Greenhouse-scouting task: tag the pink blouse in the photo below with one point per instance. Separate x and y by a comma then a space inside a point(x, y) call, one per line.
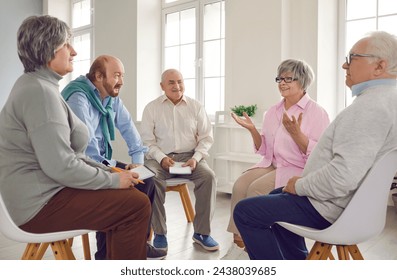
point(278, 147)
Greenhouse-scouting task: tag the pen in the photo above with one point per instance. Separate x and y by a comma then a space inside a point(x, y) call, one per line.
point(116, 169)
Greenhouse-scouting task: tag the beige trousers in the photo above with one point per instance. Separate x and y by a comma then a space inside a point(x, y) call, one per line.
point(254, 182)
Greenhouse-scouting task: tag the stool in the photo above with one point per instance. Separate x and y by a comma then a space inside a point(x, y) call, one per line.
point(180, 185)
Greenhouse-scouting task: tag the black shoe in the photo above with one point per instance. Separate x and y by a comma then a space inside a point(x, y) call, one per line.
point(153, 253)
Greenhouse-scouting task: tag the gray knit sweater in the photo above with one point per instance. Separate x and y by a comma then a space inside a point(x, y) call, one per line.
point(42, 145)
point(358, 136)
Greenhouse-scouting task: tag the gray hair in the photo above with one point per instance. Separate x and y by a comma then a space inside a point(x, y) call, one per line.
point(169, 71)
point(38, 38)
point(383, 45)
point(300, 70)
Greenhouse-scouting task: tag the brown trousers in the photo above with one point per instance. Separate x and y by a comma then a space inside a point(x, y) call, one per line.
point(122, 213)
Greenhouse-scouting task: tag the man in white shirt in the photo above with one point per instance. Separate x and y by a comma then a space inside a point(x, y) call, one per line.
point(176, 128)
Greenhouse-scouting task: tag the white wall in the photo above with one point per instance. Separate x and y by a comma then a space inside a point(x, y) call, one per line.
point(259, 35)
point(12, 13)
point(131, 31)
point(262, 33)
point(148, 53)
point(253, 52)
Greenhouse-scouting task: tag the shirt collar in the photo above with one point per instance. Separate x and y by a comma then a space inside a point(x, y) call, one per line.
point(359, 88)
point(165, 98)
point(301, 103)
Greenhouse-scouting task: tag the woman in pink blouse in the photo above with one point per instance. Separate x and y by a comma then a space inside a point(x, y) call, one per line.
point(290, 130)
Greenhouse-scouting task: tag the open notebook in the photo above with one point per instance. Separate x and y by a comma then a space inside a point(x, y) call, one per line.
point(177, 168)
point(143, 172)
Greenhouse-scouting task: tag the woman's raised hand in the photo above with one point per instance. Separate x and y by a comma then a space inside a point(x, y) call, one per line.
point(245, 122)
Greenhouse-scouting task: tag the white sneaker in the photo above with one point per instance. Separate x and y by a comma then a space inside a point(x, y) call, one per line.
point(235, 253)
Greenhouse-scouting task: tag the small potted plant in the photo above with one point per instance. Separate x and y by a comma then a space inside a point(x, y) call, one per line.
point(250, 110)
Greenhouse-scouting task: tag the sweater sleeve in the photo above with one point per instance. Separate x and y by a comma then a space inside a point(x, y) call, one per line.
point(57, 147)
point(356, 136)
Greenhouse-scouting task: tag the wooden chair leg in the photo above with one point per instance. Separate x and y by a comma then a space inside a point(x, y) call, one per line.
point(183, 191)
point(86, 246)
point(62, 250)
point(34, 251)
point(187, 203)
point(343, 252)
point(150, 234)
point(320, 251)
point(355, 252)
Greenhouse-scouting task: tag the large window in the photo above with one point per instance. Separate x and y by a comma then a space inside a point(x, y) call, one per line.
point(82, 15)
point(363, 16)
point(194, 43)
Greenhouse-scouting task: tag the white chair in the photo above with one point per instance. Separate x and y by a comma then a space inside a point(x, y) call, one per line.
point(180, 185)
point(363, 218)
point(38, 243)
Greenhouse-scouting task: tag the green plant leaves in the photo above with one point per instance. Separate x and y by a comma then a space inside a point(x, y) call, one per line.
point(250, 110)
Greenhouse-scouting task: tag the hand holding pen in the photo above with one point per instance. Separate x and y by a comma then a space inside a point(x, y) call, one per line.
point(127, 175)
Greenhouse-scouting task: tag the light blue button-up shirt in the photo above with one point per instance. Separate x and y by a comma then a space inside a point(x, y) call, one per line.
point(82, 107)
point(359, 88)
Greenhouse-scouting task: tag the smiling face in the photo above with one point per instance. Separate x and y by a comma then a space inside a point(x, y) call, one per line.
point(62, 63)
point(292, 90)
point(110, 83)
point(173, 86)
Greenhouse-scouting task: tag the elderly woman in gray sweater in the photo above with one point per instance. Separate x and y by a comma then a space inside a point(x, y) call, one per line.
point(46, 181)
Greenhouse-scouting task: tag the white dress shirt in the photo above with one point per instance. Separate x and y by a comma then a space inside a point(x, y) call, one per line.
point(168, 128)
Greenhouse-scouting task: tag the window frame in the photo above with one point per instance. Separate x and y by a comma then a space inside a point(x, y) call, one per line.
point(198, 5)
point(85, 29)
point(343, 48)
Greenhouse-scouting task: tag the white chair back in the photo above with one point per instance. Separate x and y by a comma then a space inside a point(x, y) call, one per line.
point(365, 215)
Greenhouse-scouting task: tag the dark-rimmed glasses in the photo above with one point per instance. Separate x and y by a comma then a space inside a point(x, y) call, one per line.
point(349, 57)
point(285, 79)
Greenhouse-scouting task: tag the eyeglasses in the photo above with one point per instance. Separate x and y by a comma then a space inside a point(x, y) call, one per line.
point(349, 57)
point(285, 79)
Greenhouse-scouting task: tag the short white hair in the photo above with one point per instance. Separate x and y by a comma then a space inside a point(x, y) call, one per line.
point(383, 45)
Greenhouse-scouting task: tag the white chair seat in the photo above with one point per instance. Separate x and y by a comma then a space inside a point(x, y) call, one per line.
point(10, 230)
point(176, 181)
point(363, 218)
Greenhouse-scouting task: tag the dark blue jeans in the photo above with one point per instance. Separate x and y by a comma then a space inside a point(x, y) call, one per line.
point(255, 218)
point(148, 189)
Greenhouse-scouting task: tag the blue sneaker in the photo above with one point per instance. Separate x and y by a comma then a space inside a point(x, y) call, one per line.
point(206, 241)
point(160, 242)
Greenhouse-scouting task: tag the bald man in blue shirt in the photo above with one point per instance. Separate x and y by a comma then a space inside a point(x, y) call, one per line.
point(94, 98)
